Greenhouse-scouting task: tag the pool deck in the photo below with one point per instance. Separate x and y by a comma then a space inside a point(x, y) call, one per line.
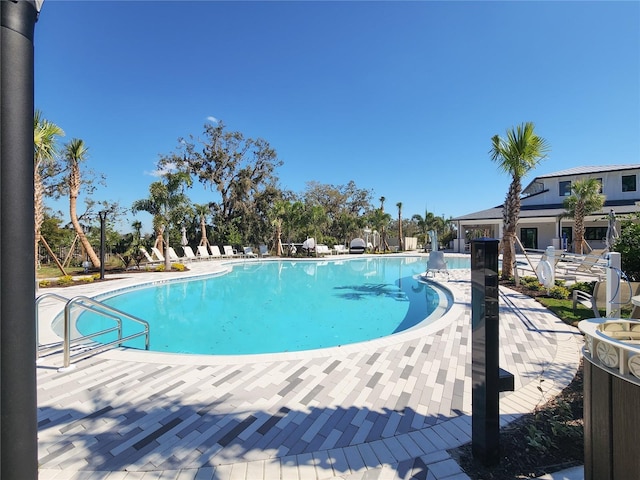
point(381, 410)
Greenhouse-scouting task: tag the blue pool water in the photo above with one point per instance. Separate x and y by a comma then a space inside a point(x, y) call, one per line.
point(280, 306)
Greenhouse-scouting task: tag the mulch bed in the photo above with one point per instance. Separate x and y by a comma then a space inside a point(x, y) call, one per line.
point(547, 440)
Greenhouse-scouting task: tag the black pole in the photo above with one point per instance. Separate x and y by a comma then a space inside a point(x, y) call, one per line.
point(18, 417)
point(103, 217)
point(485, 419)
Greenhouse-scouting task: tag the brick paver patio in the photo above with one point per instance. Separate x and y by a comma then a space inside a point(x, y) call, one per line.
point(387, 409)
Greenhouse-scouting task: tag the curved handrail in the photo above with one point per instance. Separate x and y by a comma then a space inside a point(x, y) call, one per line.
point(99, 308)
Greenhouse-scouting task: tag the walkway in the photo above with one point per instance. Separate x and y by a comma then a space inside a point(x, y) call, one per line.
point(388, 409)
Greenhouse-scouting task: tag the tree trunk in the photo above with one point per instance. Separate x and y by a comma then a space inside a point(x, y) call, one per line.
point(39, 209)
point(579, 227)
point(73, 200)
point(203, 229)
point(278, 240)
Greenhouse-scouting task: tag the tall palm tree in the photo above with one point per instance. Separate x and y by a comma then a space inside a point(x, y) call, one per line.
point(75, 152)
point(45, 134)
point(516, 155)
point(400, 240)
point(168, 203)
point(277, 215)
point(202, 210)
point(379, 221)
point(585, 198)
point(383, 232)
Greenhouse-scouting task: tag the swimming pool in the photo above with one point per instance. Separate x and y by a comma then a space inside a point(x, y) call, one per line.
point(280, 306)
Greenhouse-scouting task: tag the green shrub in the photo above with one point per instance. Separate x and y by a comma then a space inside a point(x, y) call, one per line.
point(89, 279)
point(628, 245)
point(586, 287)
point(559, 292)
point(65, 280)
point(44, 283)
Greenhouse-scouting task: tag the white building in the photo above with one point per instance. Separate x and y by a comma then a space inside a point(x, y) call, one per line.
point(542, 215)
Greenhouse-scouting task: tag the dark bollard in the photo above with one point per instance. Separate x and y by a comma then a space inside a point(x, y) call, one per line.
point(488, 379)
point(18, 406)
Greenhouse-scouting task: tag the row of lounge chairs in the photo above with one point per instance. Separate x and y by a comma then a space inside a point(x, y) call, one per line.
point(203, 253)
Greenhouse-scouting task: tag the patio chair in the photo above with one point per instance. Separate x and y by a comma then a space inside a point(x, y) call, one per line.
point(148, 257)
point(322, 250)
point(215, 251)
point(203, 253)
point(188, 253)
point(340, 249)
point(173, 256)
point(589, 265)
point(436, 264)
point(357, 245)
point(157, 253)
point(248, 252)
point(229, 251)
point(264, 250)
point(598, 300)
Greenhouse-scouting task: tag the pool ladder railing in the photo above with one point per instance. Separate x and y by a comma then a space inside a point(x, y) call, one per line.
point(86, 350)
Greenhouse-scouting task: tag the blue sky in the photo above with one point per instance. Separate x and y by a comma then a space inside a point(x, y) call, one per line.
point(400, 97)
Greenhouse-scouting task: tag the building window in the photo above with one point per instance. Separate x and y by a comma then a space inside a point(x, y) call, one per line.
point(565, 188)
point(599, 180)
point(529, 237)
point(595, 233)
point(567, 237)
point(628, 183)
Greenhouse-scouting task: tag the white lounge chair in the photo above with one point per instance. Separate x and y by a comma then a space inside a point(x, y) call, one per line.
point(173, 256)
point(357, 245)
point(148, 257)
point(340, 249)
point(229, 251)
point(592, 264)
point(248, 252)
point(264, 250)
point(322, 250)
point(436, 264)
point(203, 253)
point(188, 253)
point(215, 251)
point(157, 253)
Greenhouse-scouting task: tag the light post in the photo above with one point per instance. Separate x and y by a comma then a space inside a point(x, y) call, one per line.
point(18, 405)
point(103, 218)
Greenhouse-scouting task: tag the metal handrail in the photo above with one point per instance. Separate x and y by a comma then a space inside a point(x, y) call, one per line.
point(96, 307)
point(55, 296)
point(99, 305)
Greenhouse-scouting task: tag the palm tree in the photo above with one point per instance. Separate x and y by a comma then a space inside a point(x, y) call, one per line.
point(400, 242)
point(76, 152)
point(45, 152)
point(202, 210)
point(516, 155)
point(379, 221)
point(168, 204)
point(383, 232)
point(585, 198)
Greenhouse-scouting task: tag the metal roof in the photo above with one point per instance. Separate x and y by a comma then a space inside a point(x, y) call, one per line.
point(589, 170)
point(542, 211)
point(576, 171)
